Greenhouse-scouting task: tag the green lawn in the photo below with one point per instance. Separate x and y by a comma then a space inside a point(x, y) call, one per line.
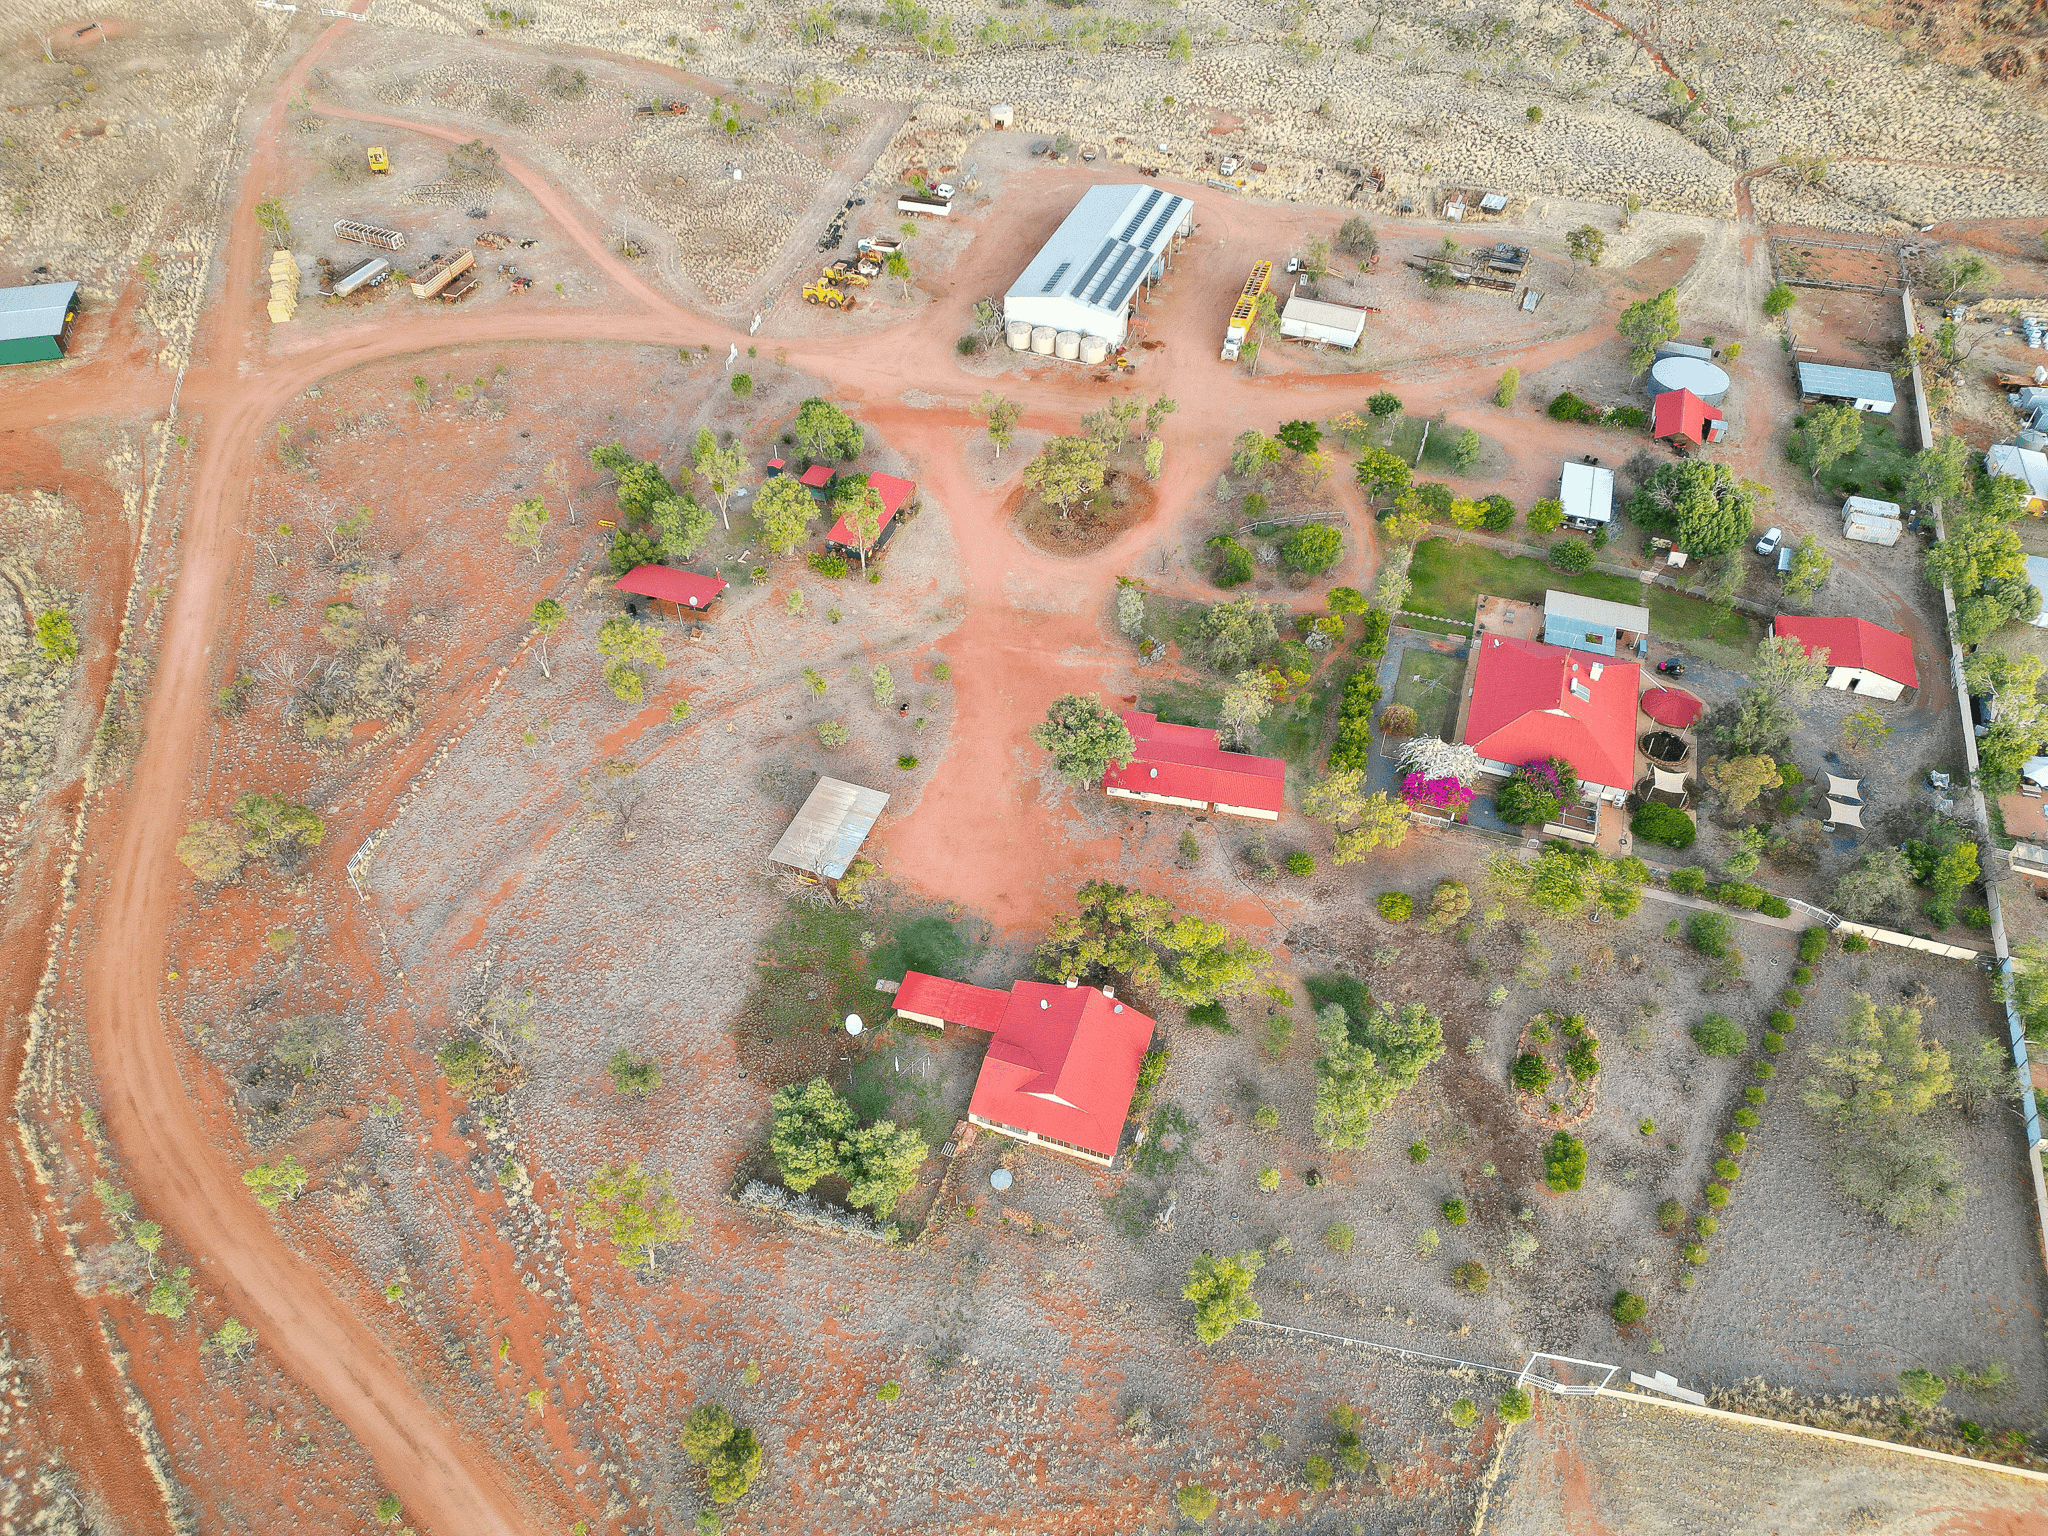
point(1449, 574)
point(1878, 468)
point(1428, 683)
point(1293, 732)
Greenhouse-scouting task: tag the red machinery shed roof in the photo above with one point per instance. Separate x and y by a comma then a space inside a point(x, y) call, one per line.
point(1064, 1063)
point(1189, 763)
point(671, 586)
point(1681, 413)
point(893, 491)
point(957, 1002)
point(1854, 643)
point(1524, 708)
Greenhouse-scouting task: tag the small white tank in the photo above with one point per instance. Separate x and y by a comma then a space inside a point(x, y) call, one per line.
point(1042, 339)
point(1093, 349)
point(1068, 345)
point(1018, 333)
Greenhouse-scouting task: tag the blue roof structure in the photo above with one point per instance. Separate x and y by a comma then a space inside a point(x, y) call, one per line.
point(1836, 383)
point(37, 310)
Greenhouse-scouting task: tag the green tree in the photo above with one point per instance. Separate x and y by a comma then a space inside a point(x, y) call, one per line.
point(1312, 548)
point(276, 828)
point(547, 618)
point(681, 524)
point(1739, 780)
point(172, 1295)
point(1647, 323)
point(1878, 889)
point(1366, 1063)
point(1983, 561)
point(1246, 702)
point(1465, 449)
point(1509, 386)
point(631, 1209)
point(1788, 669)
point(1810, 570)
point(1779, 299)
point(1304, 437)
point(1828, 434)
point(1355, 237)
point(1873, 1088)
point(54, 635)
point(1959, 268)
point(232, 1340)
point(810, 1121)
point(640, 484)
point(1382, 472)
point(1067, 470)
point(1586, 245)
point(275, 1183)
point(1084, 738)
point(1382, 404)
point(824, 433)
point(1865, 729)
point(880, 1163)
point(785, 512)
point(1252, 453)
point(525, 523)
point(742, 383)
point(630, 646)
point(1700, 504)
point(270, 213)
point(727, 1450)
point(1235, 633)
point(1940, 473)
point(1003, 415)
point(1221, 1291)
point(722, 468)
point(1118, 933)
point(863, 513)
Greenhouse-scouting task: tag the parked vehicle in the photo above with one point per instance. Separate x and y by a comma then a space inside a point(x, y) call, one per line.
point(1768, 544)
point(1675, 667)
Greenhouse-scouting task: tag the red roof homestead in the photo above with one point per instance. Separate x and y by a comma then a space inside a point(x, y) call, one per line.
point(1533, 701)
point(894, 493)
point(935, 1000)
point(1855, 643)
point(684, 588)
point(1186, 765)
point(1061, 1068)
point(1681, 413)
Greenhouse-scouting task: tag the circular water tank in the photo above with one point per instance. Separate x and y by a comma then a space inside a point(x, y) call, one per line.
point(1093, 349)
point(1041, 339)
point(1000, 1179)
point(1018, 333)
point(1696, 374)
point(1068, 345)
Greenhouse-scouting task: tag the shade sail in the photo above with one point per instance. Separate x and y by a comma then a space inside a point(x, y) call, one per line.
point(1673, 707)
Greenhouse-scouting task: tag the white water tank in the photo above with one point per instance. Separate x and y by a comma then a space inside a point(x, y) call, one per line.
point(1018, 333)
point(1041, 339)
point(1093, 349)
point(1068, 345)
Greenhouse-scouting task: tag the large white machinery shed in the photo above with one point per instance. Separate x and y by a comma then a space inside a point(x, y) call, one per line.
point(1085, 277)
point(1313, 320)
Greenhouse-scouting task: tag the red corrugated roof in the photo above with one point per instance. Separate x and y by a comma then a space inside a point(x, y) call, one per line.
point(671, 586)
point(1681, 413)
point(1064, 1063)
point(1523, 708)
point(1854, 643)
point(817, 474)
point(957, 1002)
point(894, 493)
point(1189, 763)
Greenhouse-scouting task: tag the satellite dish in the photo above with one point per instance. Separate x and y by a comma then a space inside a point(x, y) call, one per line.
point(853, 1024)
point(1000, 1179)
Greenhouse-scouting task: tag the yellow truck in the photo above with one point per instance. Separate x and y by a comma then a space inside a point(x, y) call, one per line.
point(380, 163)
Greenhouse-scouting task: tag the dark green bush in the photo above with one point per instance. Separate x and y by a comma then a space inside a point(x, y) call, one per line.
point(1628, 1308)
point(1711, 933)
point(1372, 639)
point(1666, 824)
point(1571, 556)
point(1719, 1035)
point(1793, 998)
point(1532, 1073)
point(1628, 416)
point(1690, 880)
point(1813, 943)
point(1737, 894)
point(1774, 906)
point(826, 564)
point(1566, 406)
point(1564, 1163)
point(1353, 748)
point(1234, 563)
point(1312, 548)
point(1500, 513)
point(1801, 975)
point(1781, 1021)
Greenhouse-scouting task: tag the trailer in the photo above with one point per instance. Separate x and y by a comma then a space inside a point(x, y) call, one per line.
point(934, 207)
point(430, 286)
point(1247, 307)
point(368, 275)
point(355, 232)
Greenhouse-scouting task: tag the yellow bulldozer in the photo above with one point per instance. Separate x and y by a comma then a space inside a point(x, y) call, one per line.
point(846, 272)
point(824, 292)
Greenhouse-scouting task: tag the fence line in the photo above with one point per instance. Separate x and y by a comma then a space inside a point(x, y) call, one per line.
point(1513, 1373)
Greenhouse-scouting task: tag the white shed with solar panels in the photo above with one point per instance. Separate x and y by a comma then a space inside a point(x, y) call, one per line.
point(1086, 277)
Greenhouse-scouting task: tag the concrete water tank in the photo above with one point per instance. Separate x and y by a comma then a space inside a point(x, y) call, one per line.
point(1019, 335)
point(1042, 339)
point(1703, 378)
point(1068, 345)
point(1093, 349)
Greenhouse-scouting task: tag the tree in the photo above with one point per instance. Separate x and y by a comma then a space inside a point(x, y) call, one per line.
point(1363, 822)
point(785, 511)
point(232, 1340)
point(1872, 1090)
point(276, 828)
point(1546, 516)
point(742, 383)
point(1961, 268)
point(721, 468)
point(1116, 932)
point(1700, 504)
point(1788, 669)
point(1758, 723)
point(1252, 453)
point(1265, 318)
point(1878, 889)
point(640, 484)
point(547, 618)
point(1370, 1056)
point(1084, 738)
point(1355, 237)
point(1302, 436)
point(1864, 729)
point(212, 850)
point(1828, 433)
point(809, 1123)
point(1003, 415)
point(1221, 1292)
point(824, 433)
point(1982, 560)
point(1246, 702)
point(629, 645)
point(1465, 449)
point(2020, 722)
point(727, 1450)
point(1382, 472)
point(1940, 473)
point(863, 514)
point(880, 1163)
point(1564, 1163)
point(1586, 245)
point(1779, 299)
point(270, 213)
point(1739, 780)
point(54, 634)
point(1066, 470)
point(635, 1211)
point(1810, 570)
point(1647, 323)
point(1510, 383)
point(524, 523)
point(1312, 548)
point(898, 266)
point(682, 526)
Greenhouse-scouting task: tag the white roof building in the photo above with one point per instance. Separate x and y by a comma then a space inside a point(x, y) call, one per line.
point(1086, 276)
point(1314, 320)
point(2023, 464)
point(1587, 492)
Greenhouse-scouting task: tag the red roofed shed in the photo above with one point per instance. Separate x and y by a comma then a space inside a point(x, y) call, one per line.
point(936, 1001)
point(1185, 765)
point(894, 493)
point(1681, 413)
point(1061, 1070)
point(1533, 701)
point(817, 477)
point(685, 589)
point(1861, 656)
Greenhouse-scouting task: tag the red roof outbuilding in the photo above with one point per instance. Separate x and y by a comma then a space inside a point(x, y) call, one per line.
point(818, 476)
point(950, 1002)
point(671, 586)
point(1185, 762)
point(1063, 1065)
point(1681, 413)
point(1854, 643)
point(1532, 701)
point(893, 491)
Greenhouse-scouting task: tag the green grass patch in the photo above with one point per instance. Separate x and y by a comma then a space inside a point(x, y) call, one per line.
point(1437, 626)
point(1878, 468)
point(1293, 732)
point(929, 944)
point(1170, 1123)
point(1437, 456)
point(1428, 684)
point(1450, 573)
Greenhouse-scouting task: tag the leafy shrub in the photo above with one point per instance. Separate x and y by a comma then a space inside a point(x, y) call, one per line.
point(1628, 416)
point(1735, 1143)
point(1773, 1041)
point(828, 564)
point(1668, 825)
point(1522, 803)
point(1717, 1195)
point(1234, 564)
point(1339, 1238)
point(1514, 1406)
point(1792, 997)
point(1628, 1308)
point(1564, 1163)
point(1531, 1073)
point(1781, 1022)
point(1317, 1473)
point(1498, 513)
point(1571, 556)
point(1746, 1118)
point(1755, 1095)
point(1464, 1413)
point(1923, 1387)
point(1372, 639)
point(1854, 943)
point(1312, 548)
point(1690, 880)
point(1774, 906)
point(1353, 747)
point(1711, 933)
point(1813, 943)
point(1707, 1226)
point(1455, 1212)
point(1976, 917)
point(1581, 1057)
point(1766, 1071)
point(1670, 1215)
point(1471, 1277)
point(1418, 1152)
point(1695, 1253)
point(1301, 865)
point(1737, 894)
point(1546, 515)
point(725, 1449)
point(1727, 1168)
point(1396, 906)
point(1719, 1035)
point(1566, 406)
point(1196, 1502)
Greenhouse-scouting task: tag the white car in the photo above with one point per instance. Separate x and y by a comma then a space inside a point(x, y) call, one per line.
point(1769, 543)
point(945, 191)
point(1293, 264)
